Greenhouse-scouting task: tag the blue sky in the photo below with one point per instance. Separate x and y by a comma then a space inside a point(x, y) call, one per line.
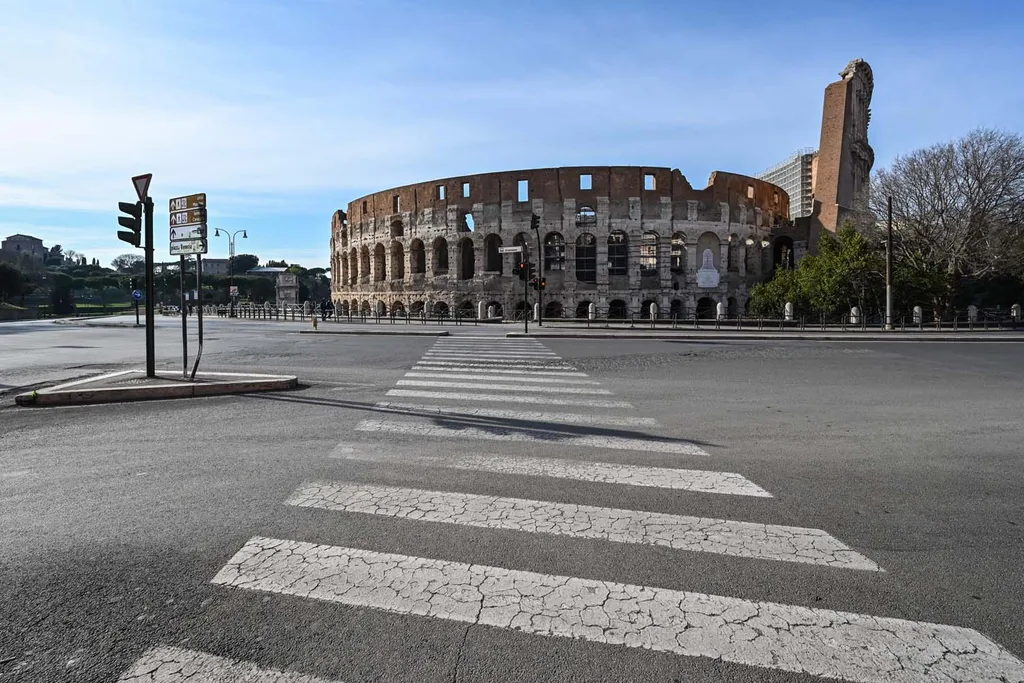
point(284, 111)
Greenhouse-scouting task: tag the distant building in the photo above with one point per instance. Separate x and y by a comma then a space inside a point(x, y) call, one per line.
point(16, 246)
point(795, 175)
point(211, 266)
point(266, 271)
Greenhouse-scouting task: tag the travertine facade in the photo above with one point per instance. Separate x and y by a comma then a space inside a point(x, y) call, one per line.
point(619, 237)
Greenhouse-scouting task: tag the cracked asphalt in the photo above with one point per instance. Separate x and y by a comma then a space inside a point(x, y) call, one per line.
point(125, 527)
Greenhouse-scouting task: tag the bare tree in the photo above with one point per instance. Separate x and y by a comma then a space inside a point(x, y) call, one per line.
point(126, 263)
point(958, 208)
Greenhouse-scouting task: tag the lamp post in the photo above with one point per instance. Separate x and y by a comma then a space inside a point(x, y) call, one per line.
point(535, 224)
point(231, 258)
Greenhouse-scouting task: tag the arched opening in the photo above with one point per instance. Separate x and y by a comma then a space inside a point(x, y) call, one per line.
point(466, 257)
point(416, 308)
point(441, 309)
point(439, 262)
point(649, 254)
point(552, 310)
point(617, 310)
point(677, 256)
point(732, 308)
point(364, 263)
point(380, 268)
point(709, 243)
point(494, 308)
point(645, 308)
point(586, 258)
point(417, 257)
point(782, 253)
point(344, 239)
point(554, 252)
point(583, 309)
point(746, 307)
point(353, 266)
point(618, 253)
point(586, 217)
point(466, 309)
point(381, 307)
point(466, 223)
point(492, 257)
point(353, 307)
point(736, 253)
point(397, 261)
point(675, 309)
point(366, 309)
point(706, 308)
point(398, 309)
point(397, 229)
point(520, 311)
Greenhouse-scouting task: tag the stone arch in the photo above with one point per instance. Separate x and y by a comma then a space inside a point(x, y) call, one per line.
point(677, 255)
point(618, 253)
point(344, 239)
point(709, 241)
point(397, 261)
point(675, 309)
point(353, 306)
point(397, 228)
point(416, 308)
point(398, 309)
point(380, 269)
point(467, 256)
point(782, 253)
point(736, 253)
point(583, 309)
point(441, 309)
point(586, 217)
point(732, 308)
point(366, 308)
point(439, 256)
point(586, 258)
point(617, 309)
point(645, 308)
point(707, 309)
point(493, 262)
point(466, 309)
point(353, 266)
point(554, 252)
point(553, 309)
point(649, 254)
point(499, 310)
point(380, 307)
point(364, 262)
point(417, 257)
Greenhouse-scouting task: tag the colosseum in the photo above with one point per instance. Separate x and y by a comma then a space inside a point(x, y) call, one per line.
point(620, 237)
point(610, 241)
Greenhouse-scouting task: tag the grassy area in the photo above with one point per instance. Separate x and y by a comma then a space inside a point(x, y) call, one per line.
point(92, 308)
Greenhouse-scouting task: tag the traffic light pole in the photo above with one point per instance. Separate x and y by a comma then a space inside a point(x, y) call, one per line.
point(526, 290)
point(150, 292)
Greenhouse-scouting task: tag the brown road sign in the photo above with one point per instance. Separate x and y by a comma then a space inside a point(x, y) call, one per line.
point(189, 217)
point(191, 201)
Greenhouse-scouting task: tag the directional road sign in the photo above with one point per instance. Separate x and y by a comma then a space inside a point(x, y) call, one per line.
point(136, 294)
point(192, 232)
point(510, 250)
point(192, 201)
point(188, 247)
point(189, 217)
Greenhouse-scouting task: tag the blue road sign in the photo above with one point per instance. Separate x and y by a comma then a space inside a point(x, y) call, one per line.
point(136, 294)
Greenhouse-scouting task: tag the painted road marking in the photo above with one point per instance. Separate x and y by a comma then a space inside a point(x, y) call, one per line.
point(497, 387)
point(168, 664)
point(477, 363)
point(820, 642)
point(697, 481)
point(492, 352)
point(491, 432)
point(455, 355)
point(527, 415)
point(679, 532)
point(455, 375)
point(506, 398)
point(487, 370)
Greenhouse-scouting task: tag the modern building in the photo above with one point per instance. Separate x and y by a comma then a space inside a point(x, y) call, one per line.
point(795, 175)
point(18, 246)
point(211, 266)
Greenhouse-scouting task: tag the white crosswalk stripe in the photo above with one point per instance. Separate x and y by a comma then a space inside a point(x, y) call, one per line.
point(492, 432)
point(506, 398)
point(498, 387)
point(492, 370)
point(694, 534)
point(523, 415)
point(166, 664)
point(821, 642)
point(498, 378)
point(476, 363)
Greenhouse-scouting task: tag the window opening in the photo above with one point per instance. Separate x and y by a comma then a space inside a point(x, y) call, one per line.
point(465, 189)
point(618, 259)
point(440, 191)
point(586, 258)
point(586, 181)
point(648, 182)
point(524, 190)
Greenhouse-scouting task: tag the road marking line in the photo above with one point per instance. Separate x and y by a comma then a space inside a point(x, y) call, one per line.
point(487, 370)
point(696, 481)
point(485, 377)
point(454, 355)
point(536, 416)
point(820, 642)
point(482, 363)
point(492, 352)
point(507, 398)
point(497, 387)
point(679, 532)
point(166, 664)
point(467, 430)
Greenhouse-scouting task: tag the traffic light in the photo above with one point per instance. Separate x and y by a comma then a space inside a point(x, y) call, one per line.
point(534, 222)
point(133, 221)
point(534, 283)
point(543, 283)
point(520, 270)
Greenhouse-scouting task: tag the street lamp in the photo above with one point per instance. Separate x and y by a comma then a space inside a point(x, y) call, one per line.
point(231, 258)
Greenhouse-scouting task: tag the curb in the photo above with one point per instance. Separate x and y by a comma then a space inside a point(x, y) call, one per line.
point(77, 393)
point(845, 337)
point(381, 333)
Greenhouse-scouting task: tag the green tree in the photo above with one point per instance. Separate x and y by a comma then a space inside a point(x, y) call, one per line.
point(277, 264)
point(243, 263)
point(12, 282)
point(127, 263)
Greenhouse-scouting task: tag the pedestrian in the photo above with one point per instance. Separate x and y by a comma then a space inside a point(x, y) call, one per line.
point(323, 309)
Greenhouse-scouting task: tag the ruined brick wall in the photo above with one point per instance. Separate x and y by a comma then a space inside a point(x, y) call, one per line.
point(435, 243)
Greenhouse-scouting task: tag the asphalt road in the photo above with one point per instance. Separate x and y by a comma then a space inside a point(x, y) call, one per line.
point(123, 524)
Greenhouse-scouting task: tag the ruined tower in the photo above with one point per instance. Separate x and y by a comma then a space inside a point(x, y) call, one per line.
point(842, 168)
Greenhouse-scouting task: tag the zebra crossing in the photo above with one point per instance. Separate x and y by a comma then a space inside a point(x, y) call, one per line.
point(487, 371)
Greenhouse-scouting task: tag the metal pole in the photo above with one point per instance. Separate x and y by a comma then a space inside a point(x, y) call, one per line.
point(888, 270)
point(199, 312)
point(540, 273)
point(184, 321)
point(526, 290)
point(150, 293)
point(231, 272)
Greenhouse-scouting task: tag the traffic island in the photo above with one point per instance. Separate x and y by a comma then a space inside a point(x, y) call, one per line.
point(133, 385)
